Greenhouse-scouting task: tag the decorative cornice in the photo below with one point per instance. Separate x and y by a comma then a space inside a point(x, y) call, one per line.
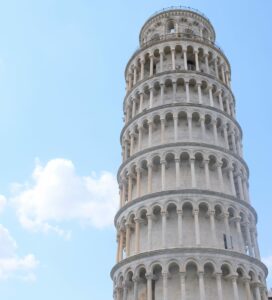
point(182, 144)
point(219, 51)
point(179, 192)
point(178, 72)
point(230, 253)
point(173, 105)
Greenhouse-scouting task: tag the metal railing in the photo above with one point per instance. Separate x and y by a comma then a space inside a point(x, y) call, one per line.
point(179, 7)
point(178, 35)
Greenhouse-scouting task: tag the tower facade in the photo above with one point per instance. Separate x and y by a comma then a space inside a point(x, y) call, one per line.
point(185, 228)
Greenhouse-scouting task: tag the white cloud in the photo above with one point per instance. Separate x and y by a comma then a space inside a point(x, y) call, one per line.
point(3, 202)
point(10, 264)
point(57, 194)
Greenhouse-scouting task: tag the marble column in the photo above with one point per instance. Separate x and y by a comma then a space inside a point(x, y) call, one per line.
point(165, 286)
point(183, 285)
point(199, 92)
point(151, 65)
point(180, 231)
point(207, 173)
point(163, 162)
point(197, 235)
point(175, 119)
point(151, 97)
point(207, 63)
point(211, 95)
point(187, 90)
point(203, 129)
point(149, 180)
point(127, 240)
point(173, 59)
point(162, 130)
point(163, 215)
point(212, 213)
point(196, 60)
point(161, 61)
point(227, 228)
point(150, 127)
point(149, 232)
point(138, 181)
point(177, 165)
point(193, 177)
point(201, 285)
point(137, 235)
point(235, 288)
point(142, 69)
point(185, 60)
point(219, 286)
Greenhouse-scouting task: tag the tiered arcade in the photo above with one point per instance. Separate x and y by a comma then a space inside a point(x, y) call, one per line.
point(185, 227)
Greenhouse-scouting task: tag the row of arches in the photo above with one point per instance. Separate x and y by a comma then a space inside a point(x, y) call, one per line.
point(182, 169)
point(177, 57)
point(186, 224)
point(178, 88)
point(173, 125)
point(209, 279)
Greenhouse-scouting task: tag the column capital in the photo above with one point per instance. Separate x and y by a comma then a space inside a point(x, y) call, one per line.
point(196, 212)
point(233, 277)
point(136, 278)
point(139, 169)
point(149, 276)
point(200, 273)
point(180, 212)
point(226, 215)
point(211, 212)
point(149, 165)
point(164, 213)
point(218, 274)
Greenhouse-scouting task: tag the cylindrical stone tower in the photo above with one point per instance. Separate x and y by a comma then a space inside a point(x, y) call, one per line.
point(185, 227)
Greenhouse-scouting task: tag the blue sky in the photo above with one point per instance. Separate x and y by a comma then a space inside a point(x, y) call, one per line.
point(61, 90)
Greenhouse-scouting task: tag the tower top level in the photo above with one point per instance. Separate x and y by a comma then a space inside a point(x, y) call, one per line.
point(176, 20)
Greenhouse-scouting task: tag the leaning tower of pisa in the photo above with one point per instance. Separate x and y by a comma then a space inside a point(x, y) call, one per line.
point(185, 228)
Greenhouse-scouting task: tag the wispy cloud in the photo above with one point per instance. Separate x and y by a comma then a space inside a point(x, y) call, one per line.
point(57, 194)
point(11, 265)
point(3, 202)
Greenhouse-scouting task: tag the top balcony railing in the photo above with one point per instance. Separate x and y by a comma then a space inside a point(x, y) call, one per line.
point(178, 35)
point(179, 7)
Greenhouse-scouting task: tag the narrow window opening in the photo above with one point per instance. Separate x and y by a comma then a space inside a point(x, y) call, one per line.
point(225, 241)
point(171, 27)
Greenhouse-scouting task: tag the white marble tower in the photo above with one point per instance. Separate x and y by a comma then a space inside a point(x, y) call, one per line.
point(185, 228)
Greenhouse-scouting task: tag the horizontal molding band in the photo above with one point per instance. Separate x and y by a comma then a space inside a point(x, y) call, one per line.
point(174, 39)
point(181, 144)
point(177, 72)
point(203, 251)
point(173, 105)
point(181, 192)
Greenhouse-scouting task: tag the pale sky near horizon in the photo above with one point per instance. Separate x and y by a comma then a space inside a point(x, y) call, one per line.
point(61, 91)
